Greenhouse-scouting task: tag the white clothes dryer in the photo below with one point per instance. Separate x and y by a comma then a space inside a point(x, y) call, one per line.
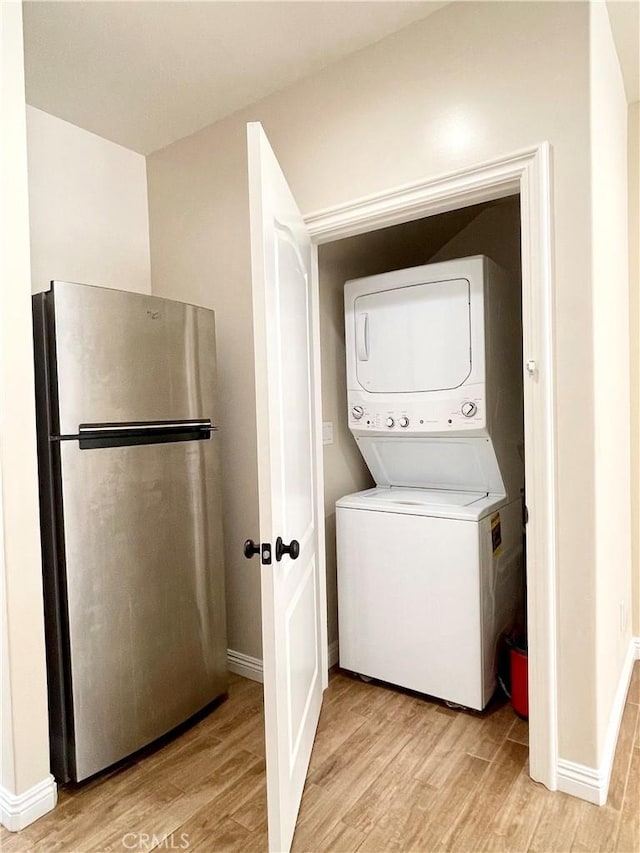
point(428, 582)
point(434, 376)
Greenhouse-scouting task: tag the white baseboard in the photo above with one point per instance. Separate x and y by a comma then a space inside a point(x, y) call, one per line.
point(244, 665)
point(251, 668)
point(592, 783)
point(581, 781)
point(18, 811)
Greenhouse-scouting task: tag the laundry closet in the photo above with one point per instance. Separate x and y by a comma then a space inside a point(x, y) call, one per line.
point(424, 475)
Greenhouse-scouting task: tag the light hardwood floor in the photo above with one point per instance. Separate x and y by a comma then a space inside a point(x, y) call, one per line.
point(389, 772)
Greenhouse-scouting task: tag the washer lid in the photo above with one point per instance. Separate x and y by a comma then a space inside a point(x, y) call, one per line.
point(438, 503)
point(455, 464)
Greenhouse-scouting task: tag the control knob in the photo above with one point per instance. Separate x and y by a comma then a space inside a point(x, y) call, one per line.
point(404, 422)
point(468, 409)
point(390, 422)
point(357, 412)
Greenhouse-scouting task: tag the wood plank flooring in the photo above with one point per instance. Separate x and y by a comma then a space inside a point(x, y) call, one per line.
point(390, 771)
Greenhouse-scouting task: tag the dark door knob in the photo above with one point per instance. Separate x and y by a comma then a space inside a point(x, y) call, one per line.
point(250, 548)
point(292, 549)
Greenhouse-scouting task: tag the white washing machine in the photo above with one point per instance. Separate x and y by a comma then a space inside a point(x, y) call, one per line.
point(430, 561)
point(428, 581)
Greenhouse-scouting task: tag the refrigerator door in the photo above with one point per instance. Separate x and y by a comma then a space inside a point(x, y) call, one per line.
point(123, 357)
point(145, 586)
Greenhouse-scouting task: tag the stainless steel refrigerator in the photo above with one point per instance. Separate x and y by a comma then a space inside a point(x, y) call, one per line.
point(131, 519)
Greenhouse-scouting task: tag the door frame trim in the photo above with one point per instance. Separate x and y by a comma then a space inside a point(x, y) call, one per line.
point(529, 173)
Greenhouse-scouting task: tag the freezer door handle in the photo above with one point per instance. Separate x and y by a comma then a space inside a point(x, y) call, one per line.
point(93, 436)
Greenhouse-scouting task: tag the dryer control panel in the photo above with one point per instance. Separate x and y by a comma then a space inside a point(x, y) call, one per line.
point(451, 413)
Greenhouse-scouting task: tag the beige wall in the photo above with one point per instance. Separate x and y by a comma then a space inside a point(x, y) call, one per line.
point(25, 744)
point(344, 468)
point(88, 208)
point(200, 253)
point(495, 232)
point(610, 295)
point(470, 83)
point(634, 331)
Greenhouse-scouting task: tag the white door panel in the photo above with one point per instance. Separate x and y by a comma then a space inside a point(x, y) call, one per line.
point(301, 643)
point(287, 387)
point(293, 368)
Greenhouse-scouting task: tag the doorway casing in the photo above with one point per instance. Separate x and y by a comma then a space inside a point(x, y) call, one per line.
point(527, 173)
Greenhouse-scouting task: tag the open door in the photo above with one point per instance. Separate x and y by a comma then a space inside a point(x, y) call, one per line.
point(291, 549)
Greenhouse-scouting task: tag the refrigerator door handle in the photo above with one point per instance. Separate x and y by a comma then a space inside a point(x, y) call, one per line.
point(94, 436)
point(144, 426)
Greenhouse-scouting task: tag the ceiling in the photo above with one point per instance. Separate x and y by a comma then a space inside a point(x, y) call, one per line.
point(144, 74)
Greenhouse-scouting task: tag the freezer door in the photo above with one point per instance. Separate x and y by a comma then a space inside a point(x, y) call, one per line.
point(145, 592)
point(122, 357)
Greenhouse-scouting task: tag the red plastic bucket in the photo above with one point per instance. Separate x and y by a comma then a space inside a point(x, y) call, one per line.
point(519, 682)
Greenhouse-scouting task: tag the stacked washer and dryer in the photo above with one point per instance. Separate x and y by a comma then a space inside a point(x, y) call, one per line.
point(430, 561)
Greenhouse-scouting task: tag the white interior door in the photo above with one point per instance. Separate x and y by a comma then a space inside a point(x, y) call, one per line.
point(294, 634)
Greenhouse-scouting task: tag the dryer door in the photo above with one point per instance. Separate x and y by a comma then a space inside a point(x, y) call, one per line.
point(415, 338)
